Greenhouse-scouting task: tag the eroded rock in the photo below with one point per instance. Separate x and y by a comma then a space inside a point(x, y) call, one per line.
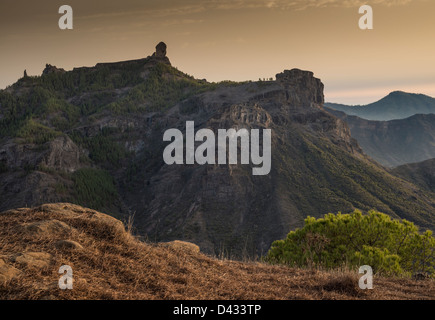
point(7, 272)
point(181, 245)
point(47, 227)
point(68, 244)
point(32, 259)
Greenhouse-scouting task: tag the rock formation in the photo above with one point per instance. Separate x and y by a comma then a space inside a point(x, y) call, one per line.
point(302, 87)
point(52, 69)
point(160, 53)
point(161, 50)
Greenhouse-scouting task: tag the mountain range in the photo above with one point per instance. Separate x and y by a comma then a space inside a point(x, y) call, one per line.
point(93, 136)
point(395, 142)
point(397, 105)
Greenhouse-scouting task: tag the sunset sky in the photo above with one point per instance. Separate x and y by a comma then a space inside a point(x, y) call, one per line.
point(234, 40)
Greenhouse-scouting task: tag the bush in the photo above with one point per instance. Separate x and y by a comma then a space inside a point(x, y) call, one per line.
point(390, 247)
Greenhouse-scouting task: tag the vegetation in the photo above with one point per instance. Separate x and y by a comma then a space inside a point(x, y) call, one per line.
point(36, 133)
point(94, 188)
point(163, 87)
point(390, 247)
point(103, 148)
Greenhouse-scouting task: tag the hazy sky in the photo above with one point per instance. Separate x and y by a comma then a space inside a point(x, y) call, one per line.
point(233, 40)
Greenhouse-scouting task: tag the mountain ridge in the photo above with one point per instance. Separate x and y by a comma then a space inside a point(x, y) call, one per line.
point(395, 142)
point(93, 137)
point(394, 106)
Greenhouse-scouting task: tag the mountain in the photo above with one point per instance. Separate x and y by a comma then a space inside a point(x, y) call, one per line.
point(94, 136)
point(108, 263)
point(397, 105)
point(422, 173)
point(396, 142)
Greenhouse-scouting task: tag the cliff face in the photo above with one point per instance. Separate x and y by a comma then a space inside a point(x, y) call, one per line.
point(395, 142)
point(100, 145)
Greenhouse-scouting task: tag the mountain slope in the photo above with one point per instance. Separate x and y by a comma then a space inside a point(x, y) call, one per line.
point(396, 142)
point(93, 136)
point(108, 263)
point(422, 173)
point(397, 105)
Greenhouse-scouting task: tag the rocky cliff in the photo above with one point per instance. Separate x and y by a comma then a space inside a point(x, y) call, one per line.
point(395, 142)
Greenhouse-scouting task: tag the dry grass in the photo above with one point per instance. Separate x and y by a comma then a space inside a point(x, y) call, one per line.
point(115, 265)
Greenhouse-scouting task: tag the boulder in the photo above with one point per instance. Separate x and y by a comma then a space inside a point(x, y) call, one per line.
point(68, 244)
point(7, 272)
point(47, 227)
point(181, 245)
point(32, 259)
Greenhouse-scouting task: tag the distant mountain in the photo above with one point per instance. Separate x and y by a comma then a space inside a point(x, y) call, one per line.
point(421, 173)
point(94, 137)
point(397, 105)
point(396, 142)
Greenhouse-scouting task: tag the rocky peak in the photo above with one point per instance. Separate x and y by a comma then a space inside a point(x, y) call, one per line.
point(302, 88)
point(161, 50)
point(52, 69)
point(160, 53)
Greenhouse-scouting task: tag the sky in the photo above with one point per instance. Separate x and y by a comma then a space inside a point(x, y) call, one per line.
point(233, 40)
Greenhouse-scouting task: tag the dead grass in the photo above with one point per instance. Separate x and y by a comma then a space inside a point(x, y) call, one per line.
point(115, 265)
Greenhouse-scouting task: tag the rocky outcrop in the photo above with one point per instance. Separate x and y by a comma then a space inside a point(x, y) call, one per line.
point(52, 69)
point(32, 259)
point(161, 50)
point(160, 54)
point(59, 154)
point(46, 227)
point(301, 87)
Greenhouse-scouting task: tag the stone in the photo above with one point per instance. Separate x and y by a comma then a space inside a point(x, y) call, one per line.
point(32, 259)
point(68, 244)
point(47, 227)
point(7, 272)
point(181, 245)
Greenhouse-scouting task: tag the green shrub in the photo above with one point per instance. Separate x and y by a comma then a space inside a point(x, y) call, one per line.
point(390, 247)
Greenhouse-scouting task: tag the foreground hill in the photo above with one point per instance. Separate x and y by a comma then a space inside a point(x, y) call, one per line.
point(397, 105)
point(109, 263)
point(94, 137)
point(396, 142)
